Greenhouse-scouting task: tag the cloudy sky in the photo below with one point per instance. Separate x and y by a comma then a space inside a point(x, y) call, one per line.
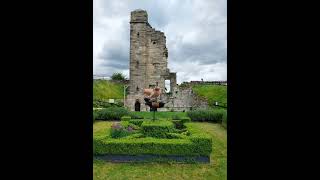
point(196, 32)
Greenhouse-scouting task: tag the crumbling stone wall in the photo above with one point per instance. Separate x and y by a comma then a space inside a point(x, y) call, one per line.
point(149, 66)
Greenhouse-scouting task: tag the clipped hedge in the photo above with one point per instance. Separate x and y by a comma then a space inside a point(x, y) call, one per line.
point(197, 144)
point(125, 118)
point(111, 113)
point(179, 124)
point(152, 146)
point(135, 116)
point(157, 129)
point(123, 129)
point(207, 115)
point(137, 122)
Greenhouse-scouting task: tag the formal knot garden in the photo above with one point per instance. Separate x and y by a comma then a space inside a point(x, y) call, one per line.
point(176, 145)
point(153, 140)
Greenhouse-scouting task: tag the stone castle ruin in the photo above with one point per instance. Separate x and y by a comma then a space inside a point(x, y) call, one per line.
point(149, 68)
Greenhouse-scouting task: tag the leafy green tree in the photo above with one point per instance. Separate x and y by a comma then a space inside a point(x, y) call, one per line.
point(118, 76)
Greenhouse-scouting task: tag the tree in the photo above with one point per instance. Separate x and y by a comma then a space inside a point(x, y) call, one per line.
point(118, 76)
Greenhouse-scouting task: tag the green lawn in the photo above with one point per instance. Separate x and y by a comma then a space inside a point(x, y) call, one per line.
point(212, 93)
point(104, 90)
point(217, 169)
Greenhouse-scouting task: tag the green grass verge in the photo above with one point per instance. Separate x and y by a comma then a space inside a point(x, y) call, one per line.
point(212, 93)
point(103, 90)
point(217, 169)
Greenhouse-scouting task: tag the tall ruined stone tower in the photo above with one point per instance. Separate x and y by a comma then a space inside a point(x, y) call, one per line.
point(148, 59)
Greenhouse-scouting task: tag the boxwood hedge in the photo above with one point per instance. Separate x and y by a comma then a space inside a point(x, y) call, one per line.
point(197, 144)
point(157, 129)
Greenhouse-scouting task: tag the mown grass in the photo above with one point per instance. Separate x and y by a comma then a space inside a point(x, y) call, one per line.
point(212, 93)
point(217, 169)
point(104, 90)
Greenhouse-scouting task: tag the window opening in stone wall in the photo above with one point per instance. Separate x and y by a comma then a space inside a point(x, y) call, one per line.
point(154, 42)
point(167, 86)
point(138, 34)
point(137, 88)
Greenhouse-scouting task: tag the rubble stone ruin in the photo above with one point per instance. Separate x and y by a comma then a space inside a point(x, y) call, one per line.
point(149, 64)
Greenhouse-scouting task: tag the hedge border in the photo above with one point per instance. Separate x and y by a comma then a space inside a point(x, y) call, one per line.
point(197, 144)
point(154, 158)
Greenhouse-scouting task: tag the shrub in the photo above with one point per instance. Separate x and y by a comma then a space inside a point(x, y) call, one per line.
point(207, 115)
point(179, 124)
point(135, 116)
point(185, 120)
point(118, 76)
point(111, 113)
point(101, 104)
point(123, 129)
point(224, 120)
point(125, 118)
point(176, 117)
point(137, 122)
point(157, 129)
point(127, 124)
point(94, 115)
point(176, 136)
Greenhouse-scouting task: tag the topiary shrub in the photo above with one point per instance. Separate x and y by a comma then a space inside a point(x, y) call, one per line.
point(179, 124)
point(185, 120)
point(207, 115)
point(176, 136)
point(111, 113)
point(123, 129)
point(157, 129)
point(137, 122)
point(125, 118)
point(175, 117)
point(135, 116)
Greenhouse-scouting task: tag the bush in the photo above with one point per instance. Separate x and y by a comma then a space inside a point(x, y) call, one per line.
point(94, 115)
point(101, 104)
point(118, 76)
point(175, 117)
point(111, 113)
point(179, 124)
point(127, 124)
point(135, 116)
point(185, 120)
point(224, 120)
point(157, 129)
point(125, 118)
point(118, 131)
point(123, 129)
point(137, 122)
point(207, 115)
point(176, 136)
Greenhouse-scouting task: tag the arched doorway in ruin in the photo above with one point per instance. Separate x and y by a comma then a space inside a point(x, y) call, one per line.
point(137, 105)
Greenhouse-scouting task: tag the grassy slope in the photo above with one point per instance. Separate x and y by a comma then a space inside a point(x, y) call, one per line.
point(217, 169)
point(103, 89)
point(212, 92)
